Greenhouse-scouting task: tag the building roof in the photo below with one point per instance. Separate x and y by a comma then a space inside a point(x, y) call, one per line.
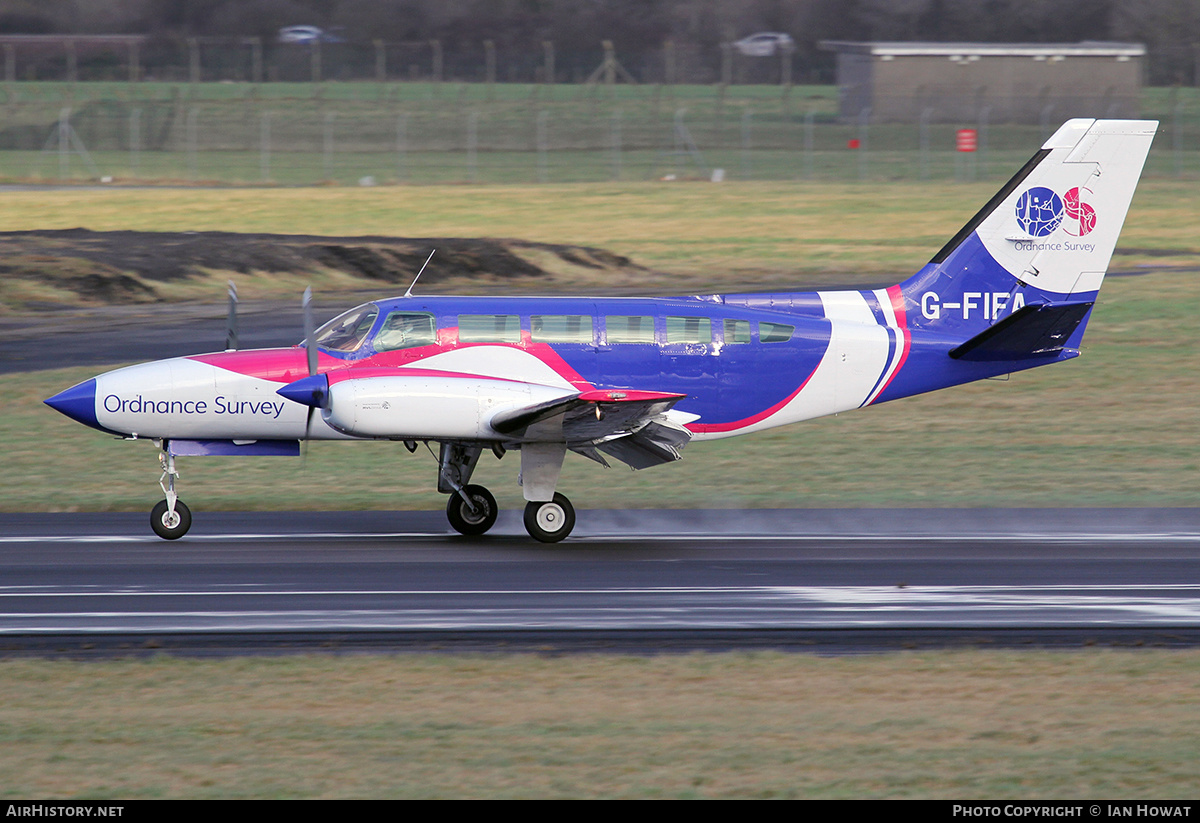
point(1088, 48)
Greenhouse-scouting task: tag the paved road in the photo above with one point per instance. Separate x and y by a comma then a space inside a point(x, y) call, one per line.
point(873, 579)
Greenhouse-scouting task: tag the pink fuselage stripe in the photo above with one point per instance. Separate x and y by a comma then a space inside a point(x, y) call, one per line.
point(709, 428)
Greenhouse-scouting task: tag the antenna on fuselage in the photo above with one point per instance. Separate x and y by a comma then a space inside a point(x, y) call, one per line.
point(418, 277)
point(231, 323)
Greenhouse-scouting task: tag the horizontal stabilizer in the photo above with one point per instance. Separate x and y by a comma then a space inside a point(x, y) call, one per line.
point(1036, 330)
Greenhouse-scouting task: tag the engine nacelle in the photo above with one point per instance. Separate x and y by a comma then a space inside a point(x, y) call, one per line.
point(428, 407)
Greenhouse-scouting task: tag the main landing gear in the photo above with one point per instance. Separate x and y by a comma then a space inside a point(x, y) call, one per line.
point(472, 509)
point(551, 521)
point(169, 518)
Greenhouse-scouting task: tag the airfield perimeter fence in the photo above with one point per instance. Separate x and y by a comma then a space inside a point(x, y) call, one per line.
point(421, 132)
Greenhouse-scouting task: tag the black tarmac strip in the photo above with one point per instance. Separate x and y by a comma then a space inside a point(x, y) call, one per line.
point(831, 642)
point(827, 582)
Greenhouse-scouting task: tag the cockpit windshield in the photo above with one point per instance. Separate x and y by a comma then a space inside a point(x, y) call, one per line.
point(346, 332)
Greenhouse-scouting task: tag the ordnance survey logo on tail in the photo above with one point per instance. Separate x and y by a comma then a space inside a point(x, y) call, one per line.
point(1040, 211)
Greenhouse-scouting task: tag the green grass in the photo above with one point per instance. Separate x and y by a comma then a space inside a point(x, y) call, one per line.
point(936, 725)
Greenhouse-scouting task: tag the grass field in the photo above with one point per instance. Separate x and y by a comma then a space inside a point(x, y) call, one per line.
point(947, 725)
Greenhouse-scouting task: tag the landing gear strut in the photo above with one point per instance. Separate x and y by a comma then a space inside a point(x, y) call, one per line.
point(169, 518)
point(472, 511)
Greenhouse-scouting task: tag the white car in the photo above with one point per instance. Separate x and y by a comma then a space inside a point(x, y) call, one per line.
point(306, 34)
point(764, 44)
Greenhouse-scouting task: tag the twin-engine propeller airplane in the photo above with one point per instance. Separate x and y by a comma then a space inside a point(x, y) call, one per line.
point(636, 380)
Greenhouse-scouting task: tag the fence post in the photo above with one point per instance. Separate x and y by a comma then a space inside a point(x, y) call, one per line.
point(314, 57)
point(985, 114)
point(926, 113)
point(133, 62)
point(135, 116)
point(402, 147)
point(380, 61)
point(256, 72)
point(1177, 134)
point(669, 63)
point(192, 116)
point(616, 144)
point(436, 46)
point(548, 49)
point(864, 121)
point(541, 140)
point(328, 164)
point(808, 144)
point(193, 60)
point(72, 66)
point(489, 67)
point(472, 145)
point(746, 121)
point(64, 143)
point(10, 63)
point(264, 146)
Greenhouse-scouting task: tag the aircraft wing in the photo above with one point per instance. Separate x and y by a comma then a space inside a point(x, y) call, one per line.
point(632, 426)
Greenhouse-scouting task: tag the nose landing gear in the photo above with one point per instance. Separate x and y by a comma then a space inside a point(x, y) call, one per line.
point(169, 518)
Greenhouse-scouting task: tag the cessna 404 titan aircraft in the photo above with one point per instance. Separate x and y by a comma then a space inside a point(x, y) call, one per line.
point(635, 380)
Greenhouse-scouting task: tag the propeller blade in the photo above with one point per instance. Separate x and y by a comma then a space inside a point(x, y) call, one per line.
point(231, 323)
point(309, 343)
point(310, 346)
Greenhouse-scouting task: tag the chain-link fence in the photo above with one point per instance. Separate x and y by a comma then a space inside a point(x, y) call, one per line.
point(423, 132)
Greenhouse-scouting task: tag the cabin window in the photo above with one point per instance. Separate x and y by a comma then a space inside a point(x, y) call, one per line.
point(689, 330)
point(775, 332)
point(347, 331)
point(406, 330)
point(737, 331)
point(560, 328)
point(489, 328)
point(629, 329)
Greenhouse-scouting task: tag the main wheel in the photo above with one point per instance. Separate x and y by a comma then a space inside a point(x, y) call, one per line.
point(170, 526)
point(550, 522)
point(465, 521)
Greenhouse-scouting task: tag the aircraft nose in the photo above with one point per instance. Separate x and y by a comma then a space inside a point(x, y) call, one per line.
point(77, 403)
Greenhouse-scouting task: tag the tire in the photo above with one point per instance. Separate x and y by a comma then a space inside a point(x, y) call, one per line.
point(165, 526)
point(463, 520)
point(552, 521)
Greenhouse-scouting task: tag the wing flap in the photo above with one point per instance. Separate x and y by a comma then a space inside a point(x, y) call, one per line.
point(657, 442)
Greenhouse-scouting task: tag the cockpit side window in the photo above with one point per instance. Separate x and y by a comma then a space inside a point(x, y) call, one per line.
point(405, 330)
point(346, 332)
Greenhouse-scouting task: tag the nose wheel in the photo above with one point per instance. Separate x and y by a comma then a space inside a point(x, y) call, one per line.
point(168, 524)
point(170, 518)
point(550, 521)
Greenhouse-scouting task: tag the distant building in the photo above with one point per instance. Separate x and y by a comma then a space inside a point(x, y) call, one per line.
point(1006, 82)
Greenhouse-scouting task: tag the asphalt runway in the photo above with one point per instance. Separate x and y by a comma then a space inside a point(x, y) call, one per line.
point(825, 580)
